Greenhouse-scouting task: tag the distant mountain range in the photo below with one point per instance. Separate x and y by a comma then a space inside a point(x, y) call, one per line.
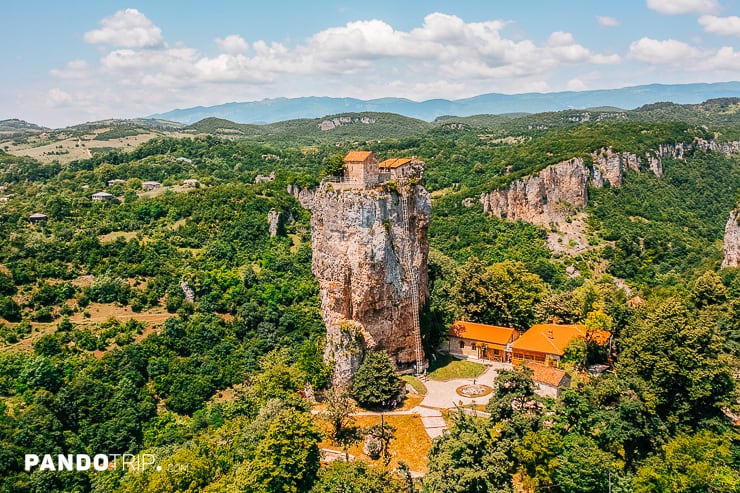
point(281, 109)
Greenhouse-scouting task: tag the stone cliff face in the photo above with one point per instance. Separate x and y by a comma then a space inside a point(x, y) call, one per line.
point(370, 251)
point(610, 166)
point(550, 195)
point(732, 241)
point(561, 189)
point(303, 195)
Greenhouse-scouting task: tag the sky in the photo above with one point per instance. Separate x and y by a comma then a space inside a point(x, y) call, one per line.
point(72, 61)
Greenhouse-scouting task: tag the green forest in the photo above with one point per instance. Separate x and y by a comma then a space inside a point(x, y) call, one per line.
point(173, 323)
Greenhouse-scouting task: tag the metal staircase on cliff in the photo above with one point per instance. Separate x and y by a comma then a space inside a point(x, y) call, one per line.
point(413, 279)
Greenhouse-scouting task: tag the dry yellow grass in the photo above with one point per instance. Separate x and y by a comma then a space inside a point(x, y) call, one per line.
point(114, 235)
point(411, 444)
point(411, 401)
point(100, 312)
point(66, 148)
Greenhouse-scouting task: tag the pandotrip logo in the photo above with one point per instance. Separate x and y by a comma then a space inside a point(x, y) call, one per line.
point(84, 462)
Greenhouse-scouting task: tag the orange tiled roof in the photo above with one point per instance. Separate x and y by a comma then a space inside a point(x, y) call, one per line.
point(395, 162)
point(482, 332)
point(546, 374)
point(538, 338)
point(357, 156)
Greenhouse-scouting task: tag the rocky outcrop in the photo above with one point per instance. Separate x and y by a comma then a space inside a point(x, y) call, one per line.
point(732, 241)
point(265, 179)
point(714, 146)
point(303, 195)
point(611, 166)
point(559, 190)
point(548, 196)
point(344, 120)
point(277, 220)
point(370, 249)
point(273, 220)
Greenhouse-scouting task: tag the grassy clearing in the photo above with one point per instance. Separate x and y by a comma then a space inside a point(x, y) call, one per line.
point(296, 239)
point(448, 368)
point(417, 384)
point(114, 235)
point(410, 402)
point(98, 313)
point(411, 444)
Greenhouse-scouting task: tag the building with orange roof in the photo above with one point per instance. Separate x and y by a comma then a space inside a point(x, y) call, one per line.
point(546, 343)
point(491, 342)
point(398, 167)
point(402, 167)
point(549, 380)
point(361, 167)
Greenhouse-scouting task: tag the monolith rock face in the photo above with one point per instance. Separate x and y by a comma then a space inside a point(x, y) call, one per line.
point(732, 240)
point(370, 249)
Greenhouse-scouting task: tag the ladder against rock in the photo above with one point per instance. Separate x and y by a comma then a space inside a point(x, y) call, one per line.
point(413, 280)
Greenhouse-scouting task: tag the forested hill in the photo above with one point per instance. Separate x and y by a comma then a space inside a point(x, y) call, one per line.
point(343, 129)
point(181, 321)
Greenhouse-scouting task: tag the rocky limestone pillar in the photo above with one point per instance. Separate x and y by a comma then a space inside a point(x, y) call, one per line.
point(732, 241)
point(370, 251)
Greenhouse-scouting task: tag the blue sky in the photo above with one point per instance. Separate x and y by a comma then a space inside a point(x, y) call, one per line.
point(82, 60)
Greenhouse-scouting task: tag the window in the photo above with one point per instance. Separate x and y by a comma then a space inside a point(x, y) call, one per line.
point(472, 346)
point(462, 344)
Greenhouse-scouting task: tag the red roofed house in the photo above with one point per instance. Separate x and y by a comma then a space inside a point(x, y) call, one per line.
point(549, 380)
point(546, 343)
point(399, 167)
point(468, 339)
point(361, 167)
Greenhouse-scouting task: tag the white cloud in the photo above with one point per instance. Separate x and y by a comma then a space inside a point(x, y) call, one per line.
point(444, 44)
point(126, 28)
point(684, 56)
point(576, 85)
point(606, 21)
point(669, 51)
point(726, 58)
point(57, 98)
point(443, 57)
point(456, 48)
point(675, 7)
point(232, 43)
point(725, 26)
point(76, 69)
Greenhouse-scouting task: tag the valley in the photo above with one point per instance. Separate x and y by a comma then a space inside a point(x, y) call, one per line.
point(243, 289)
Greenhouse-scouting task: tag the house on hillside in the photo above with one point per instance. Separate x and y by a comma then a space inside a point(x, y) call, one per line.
point(101, 196)
point(468, 339)
point(361, 167)
point(150, 185)
point(546, 343)
point(115, 181)
point(37, 218)
point(191, 182)
point(549, 380)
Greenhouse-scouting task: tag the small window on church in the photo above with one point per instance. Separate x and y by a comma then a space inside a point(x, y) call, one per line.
point(462, 344)
point(472, 346)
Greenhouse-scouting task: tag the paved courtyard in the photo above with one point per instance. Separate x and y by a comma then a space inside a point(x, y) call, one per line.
point(443, 396)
